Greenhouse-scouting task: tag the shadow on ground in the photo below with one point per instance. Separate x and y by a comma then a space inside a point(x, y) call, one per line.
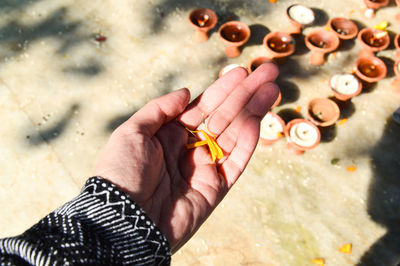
point(17, 37)
point(384, 198)
point(55, 131)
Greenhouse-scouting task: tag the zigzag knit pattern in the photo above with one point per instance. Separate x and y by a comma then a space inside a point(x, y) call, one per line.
point(101, 226)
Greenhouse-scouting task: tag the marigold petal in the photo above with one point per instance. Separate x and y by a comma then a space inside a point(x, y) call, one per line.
point(346, 248)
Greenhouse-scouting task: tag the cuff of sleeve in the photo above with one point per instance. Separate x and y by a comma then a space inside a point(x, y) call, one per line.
point(114, 217)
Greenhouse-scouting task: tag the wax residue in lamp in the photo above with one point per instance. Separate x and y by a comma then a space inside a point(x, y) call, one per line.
point(369, 70)
point(377, 39)
point(202, 20)
point(345, 83)
point(301, 14)
point(318, 42)
point(233, 33)
point(341, 31)
point(271, 128)
point(303, 135)
point(280, 45)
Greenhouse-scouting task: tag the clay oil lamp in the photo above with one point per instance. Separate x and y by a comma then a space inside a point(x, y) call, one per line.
point(279, 45)
point(321, 42)
point(227, 68)
point(397, 45)
point(277, 101)
point(256, 62)
point(202, 20)
point(372, 41)
point(271, 128)
point(372, 6)
point(396, 82)
point(299, 16)
point(323, 112)
point(370, 69)
point(301, 135)
point(234, 34)
point(345, 86)
point(344, 28)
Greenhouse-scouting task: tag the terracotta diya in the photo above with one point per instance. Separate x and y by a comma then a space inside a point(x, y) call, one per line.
point(227, 68)
point(344, 28)
point(396, 82)
point(279, 45)
point(256, 62)
point(301, 135)
point(299, 16)
point(234, 34)
point(370, 69)
point(372, 41)
point(373, 5)
point(345, 86)
point(323, 112)
point(202, 20)
point(321, 42)
point(271, 129)
point(397, 45)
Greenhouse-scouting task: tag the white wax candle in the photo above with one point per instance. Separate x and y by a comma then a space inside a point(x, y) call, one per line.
point(228, 68)
point(303, 134)
point(302, 14)
point(271, 128)
point(345, 83)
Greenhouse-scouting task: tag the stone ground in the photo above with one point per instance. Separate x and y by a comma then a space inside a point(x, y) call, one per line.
point(62, 93)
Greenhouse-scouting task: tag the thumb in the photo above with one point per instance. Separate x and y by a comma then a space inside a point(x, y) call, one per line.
point(159, 111)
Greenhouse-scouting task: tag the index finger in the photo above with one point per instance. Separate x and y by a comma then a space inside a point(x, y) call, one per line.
point(218, 93)
point(212, 97)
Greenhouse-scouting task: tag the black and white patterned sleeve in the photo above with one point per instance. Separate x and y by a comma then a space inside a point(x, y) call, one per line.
point(101, 226)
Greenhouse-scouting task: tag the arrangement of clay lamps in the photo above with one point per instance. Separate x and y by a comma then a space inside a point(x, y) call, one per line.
point(396, 82)
point(202, 20)
point(373, 41)
point(323, 112)
point(321, 42)
point(370, 69)
point(301, 135)
point(299, 16)
point(234, 34)
point(279, 45)
point(226, 69)
point(256, 62)
point(345, 86)
point(271, 128)
point(373, 5)
point(344, 28)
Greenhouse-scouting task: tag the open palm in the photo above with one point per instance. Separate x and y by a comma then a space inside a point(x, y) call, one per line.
point(179, 188)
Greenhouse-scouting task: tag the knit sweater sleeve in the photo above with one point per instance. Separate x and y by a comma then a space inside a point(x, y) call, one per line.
point(101, 226)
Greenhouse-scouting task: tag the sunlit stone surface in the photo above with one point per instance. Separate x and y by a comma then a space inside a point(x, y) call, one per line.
point(72, 71)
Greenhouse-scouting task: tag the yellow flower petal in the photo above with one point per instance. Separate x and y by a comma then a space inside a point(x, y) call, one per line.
point(319, 261)
point(342, 121)
point(346, 248)
point(351, 168)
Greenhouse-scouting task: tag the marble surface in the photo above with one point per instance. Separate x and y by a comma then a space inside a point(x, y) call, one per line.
point(62, 93)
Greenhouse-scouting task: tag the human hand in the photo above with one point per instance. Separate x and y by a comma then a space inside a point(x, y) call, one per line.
point(179, 188)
